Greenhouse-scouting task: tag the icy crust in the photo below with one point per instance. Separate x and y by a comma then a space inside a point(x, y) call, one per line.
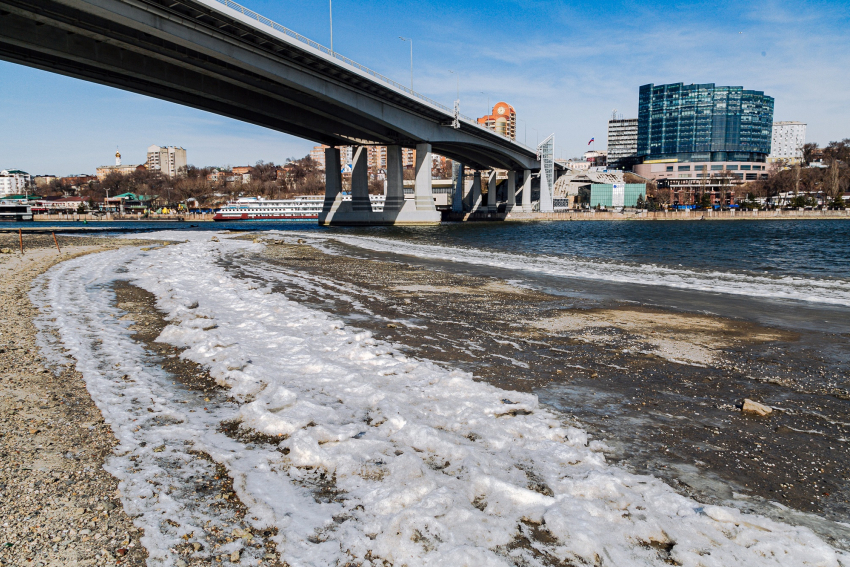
point(387, 458)
point(168, 442)
point(826, 291)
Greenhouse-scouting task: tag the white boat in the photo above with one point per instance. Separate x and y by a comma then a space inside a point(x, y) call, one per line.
point(15, 211)
point(302, 208)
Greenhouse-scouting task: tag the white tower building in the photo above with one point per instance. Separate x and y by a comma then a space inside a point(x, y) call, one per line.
point(787, 142)
point(171, 160)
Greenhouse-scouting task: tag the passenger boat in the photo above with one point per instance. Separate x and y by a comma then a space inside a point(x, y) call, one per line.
point(14, 211)
point(302, 208)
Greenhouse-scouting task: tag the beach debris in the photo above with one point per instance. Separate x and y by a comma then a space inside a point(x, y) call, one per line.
point(754, 407)
point(302, 241)
point(5, 250)
point(234, 557)
point(214, 239)
point(392, 326)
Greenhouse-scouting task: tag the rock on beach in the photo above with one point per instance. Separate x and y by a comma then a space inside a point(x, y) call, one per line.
point(756, 408)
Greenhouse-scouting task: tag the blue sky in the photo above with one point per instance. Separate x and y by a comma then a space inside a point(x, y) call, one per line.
point(563, 66)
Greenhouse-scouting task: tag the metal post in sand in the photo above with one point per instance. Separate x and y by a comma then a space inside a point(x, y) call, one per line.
point(56, 241)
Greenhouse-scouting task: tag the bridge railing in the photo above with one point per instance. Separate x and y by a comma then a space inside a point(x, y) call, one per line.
point(315, 45)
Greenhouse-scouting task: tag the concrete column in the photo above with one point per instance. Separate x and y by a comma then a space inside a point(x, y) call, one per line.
point(492, 204)
point(360, 181)
point(395, 180)
point(424, 196)
point(457, 192)
point(526, 191)
point(476, 192)
point(511, 191)
point(333, 181)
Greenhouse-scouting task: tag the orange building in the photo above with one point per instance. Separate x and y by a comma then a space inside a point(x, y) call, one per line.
point(502, 121)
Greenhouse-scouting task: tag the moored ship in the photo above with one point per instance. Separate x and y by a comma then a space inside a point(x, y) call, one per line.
point(14, 211)
point(302, 208)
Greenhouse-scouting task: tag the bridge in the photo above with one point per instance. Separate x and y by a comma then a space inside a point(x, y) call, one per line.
point(218, 56)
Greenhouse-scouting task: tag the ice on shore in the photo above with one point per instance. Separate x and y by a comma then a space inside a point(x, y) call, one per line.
point(824, 291)
point(381, 457)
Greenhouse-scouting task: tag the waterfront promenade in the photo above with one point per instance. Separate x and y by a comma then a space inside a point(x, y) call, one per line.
point(515, 215)
point(76, 217)
point(682, 215)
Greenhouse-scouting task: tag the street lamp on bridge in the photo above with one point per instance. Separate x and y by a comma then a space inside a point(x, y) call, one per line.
point(411, 59)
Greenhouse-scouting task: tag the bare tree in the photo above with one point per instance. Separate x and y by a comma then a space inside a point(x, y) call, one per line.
point(809, 151)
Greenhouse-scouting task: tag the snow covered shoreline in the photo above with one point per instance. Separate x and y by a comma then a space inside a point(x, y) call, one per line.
point(432, 467)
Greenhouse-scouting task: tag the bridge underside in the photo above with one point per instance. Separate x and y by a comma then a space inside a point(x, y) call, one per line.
point(186, 52)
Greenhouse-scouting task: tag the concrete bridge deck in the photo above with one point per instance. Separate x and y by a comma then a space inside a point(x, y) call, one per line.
point(220, 57)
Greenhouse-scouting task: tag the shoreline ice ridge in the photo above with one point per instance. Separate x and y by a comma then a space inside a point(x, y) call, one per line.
point(824, 291)
point(428, 466)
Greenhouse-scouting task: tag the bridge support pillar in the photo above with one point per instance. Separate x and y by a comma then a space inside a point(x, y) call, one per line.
point(360, 181)
point(424, 195)
point(358, 211)
point(333, 184)
point(492, 203)
point(511, 191)
point(476, 192)
point(395, 180)
point(526, 191)
point(457, 191)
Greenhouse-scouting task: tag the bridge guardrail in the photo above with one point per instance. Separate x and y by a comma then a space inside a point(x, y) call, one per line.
point(315, 45)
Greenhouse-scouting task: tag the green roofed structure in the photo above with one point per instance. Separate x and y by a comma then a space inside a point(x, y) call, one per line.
point(617, 195)
point(21, 197)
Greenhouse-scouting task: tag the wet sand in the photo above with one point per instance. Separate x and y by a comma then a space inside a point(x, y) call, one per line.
point(663, 389)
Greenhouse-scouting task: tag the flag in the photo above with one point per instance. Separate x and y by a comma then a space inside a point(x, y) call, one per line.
point(591, 141)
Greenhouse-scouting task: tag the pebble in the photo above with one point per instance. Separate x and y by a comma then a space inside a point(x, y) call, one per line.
point(52, 481)
point(754, 407)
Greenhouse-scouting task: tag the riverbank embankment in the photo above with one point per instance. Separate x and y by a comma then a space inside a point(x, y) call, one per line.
point(110, 217)
point(669, 215)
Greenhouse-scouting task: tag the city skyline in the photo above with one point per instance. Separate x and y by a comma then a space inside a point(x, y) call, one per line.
point(556, 78)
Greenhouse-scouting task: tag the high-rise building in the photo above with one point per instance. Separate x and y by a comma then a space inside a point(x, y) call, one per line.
point(317, 154)
point(14, 182)
point(787, 142)
point(170, 160)
point(377, 158)
point(502, 121)
point(703, 123)
point(622, 142)
point(408, 157)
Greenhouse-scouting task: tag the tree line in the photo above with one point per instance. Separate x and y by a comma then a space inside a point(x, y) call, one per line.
point(296, 177)
point(831, 179)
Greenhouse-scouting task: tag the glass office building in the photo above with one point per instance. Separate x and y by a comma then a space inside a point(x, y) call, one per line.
point(703, 123)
